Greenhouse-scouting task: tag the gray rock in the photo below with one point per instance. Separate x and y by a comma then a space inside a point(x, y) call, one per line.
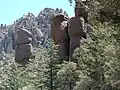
point(41, 31)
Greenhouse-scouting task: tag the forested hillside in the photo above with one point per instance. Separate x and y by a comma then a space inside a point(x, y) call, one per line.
point(95, 64)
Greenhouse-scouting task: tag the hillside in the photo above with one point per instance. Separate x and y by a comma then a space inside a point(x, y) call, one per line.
point(39, 26)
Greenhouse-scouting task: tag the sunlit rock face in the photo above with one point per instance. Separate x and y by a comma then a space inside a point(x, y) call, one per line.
point(39, 26)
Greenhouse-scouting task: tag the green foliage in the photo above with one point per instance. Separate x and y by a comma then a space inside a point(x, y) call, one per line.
point(52, 66)
point(103, 10)
point(97, 58)
point(67, 76)
point(96, 65)
point(15, 77)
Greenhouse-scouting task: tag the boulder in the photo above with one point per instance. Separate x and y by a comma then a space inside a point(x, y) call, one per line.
point(24, 36)
point(23, 49)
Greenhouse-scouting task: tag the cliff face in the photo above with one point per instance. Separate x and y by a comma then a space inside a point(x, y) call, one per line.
point(43, 19)
point(39, 26)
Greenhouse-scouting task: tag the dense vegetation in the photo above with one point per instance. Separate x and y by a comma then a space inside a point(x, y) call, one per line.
point(104, 10)
point(95, 64)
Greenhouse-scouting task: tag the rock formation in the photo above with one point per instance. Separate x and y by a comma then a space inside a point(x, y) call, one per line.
point(23, 50)
point(76, 32)
point(39, 26)
point(75, 29)
point(59, 34)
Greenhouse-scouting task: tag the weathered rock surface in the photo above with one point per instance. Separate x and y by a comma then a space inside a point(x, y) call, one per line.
point(39, 26)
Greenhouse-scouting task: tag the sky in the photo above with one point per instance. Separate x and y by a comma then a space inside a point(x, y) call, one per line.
point(11, 10)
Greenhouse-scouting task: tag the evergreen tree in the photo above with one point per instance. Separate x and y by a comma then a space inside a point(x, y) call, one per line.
point(67, 76)
point(96, 56)
point(52, 66)
point(103, 10)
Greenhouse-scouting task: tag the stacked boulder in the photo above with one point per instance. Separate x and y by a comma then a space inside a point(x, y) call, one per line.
point(23, 50)
point(29, 22)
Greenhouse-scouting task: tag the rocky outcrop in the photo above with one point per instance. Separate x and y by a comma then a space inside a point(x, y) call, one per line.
point(59, 34)
point(23, 49)
point(39, 26)
point(44, 19)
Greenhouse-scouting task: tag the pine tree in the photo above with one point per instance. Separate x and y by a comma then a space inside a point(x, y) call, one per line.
point(52, 66)
point(96, 56)
point(67, 76)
